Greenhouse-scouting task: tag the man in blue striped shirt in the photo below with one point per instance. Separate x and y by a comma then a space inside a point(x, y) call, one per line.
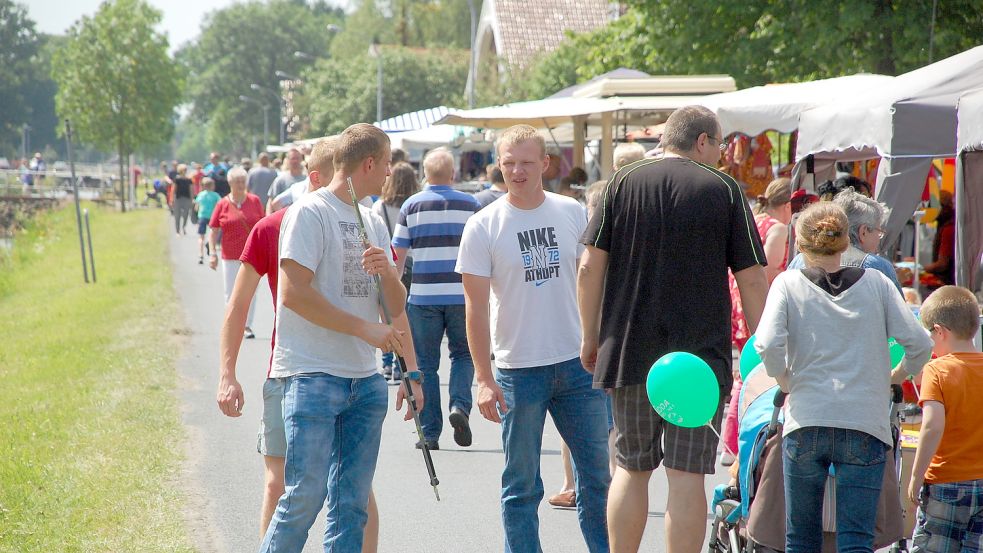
point(431, 223)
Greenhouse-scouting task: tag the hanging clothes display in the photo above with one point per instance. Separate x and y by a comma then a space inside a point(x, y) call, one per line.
point(749, 161)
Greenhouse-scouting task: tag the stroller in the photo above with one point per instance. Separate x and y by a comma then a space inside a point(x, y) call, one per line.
point(750, 517)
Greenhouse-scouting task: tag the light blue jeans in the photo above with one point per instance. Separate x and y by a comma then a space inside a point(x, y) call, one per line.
point(580, 413)
point(429, 323)
point(858, 461)
point(333, 428)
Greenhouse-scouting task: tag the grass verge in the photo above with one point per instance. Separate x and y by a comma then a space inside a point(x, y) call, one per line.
point(89, 427)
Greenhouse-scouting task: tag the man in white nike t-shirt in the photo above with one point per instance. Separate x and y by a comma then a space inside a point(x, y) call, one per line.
point(521, 253)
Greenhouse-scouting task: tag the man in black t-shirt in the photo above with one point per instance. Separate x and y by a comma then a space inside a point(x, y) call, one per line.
point(671, 228)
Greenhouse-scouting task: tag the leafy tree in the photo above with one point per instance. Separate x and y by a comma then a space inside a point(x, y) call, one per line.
point(364, 25)
point(245, 44)
point(19, 45)
point(116, 81)
point(339, 92)
point(762, 41)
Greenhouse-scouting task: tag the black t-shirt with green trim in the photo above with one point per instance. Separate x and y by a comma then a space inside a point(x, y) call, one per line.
point(671, 227)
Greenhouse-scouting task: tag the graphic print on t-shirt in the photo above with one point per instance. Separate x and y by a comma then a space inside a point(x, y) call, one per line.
point(357, 281)
point(540, 254)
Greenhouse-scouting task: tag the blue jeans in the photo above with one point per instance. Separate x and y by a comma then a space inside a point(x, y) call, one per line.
point(429, 323)
point(333, 426)
point(580, 413)
point(858, 462)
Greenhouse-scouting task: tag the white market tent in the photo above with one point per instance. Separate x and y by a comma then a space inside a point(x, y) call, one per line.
point(969, 189)
point(907, 123)
point(594, 109)
point(776, 107)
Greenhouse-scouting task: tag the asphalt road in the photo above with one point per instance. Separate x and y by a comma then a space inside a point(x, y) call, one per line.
point(223, 474)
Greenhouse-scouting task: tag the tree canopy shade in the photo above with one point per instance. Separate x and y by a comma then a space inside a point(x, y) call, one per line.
point(339, 92)
point(247, 44)
point(762, 41)
point(116, 81)
point(26, 92)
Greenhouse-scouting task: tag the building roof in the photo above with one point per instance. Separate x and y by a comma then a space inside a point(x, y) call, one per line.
point(530, 28)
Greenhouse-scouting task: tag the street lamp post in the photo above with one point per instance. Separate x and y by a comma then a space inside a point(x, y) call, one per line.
point(266, 116)
point(279, 100)
point(376, 52)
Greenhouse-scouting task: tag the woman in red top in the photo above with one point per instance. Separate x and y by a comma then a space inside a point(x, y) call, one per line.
point(235, 215)
point(774, 212)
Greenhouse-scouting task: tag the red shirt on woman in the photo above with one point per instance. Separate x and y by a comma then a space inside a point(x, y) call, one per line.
point(236, 222)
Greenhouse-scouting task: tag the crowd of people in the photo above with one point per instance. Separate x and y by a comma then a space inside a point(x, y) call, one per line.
point(559, 303)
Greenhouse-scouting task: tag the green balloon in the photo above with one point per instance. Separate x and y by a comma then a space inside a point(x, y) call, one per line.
point(896, 351)
point(749, 358)
point(683, 389)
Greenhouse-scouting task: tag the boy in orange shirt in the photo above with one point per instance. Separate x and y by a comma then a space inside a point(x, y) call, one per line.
point(947, 479)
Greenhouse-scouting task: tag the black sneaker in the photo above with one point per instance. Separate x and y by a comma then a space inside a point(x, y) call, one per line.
point(432, 445)
point(248, 334)
point(462, 429)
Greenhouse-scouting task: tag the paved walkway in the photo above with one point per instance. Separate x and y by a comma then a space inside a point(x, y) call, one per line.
point(224, 472)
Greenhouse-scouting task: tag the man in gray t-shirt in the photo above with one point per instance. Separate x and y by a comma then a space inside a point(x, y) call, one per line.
point(327, 332)
point(260, 178)
point(293, 174)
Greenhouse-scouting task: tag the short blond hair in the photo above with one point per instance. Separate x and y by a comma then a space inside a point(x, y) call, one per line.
point(438, 166)
point(822, 229)
point(358, 143)
point(322, 157)
point(953, 307)
point(627, 152)
point(207, 183)
point(517, 134)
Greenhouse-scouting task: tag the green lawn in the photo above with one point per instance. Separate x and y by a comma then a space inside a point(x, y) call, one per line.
point(90, 435)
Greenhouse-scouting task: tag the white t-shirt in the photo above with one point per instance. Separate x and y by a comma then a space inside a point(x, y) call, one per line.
point(321, 233)
point(531, 258)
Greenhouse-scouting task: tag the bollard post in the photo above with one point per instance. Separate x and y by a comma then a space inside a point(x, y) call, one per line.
point(75, 193)
point(92, 256)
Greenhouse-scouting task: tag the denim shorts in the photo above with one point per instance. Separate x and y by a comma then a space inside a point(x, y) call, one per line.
point(950, 518)
point(202, 226)
point(272, 439)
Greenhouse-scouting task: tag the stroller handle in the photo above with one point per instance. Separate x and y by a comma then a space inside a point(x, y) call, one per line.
point(778, 402)
point(780, 398)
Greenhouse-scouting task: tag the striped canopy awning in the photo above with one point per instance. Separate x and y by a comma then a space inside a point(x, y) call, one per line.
point(414, 120)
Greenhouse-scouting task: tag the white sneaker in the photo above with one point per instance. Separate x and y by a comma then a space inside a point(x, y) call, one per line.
point(726, 459)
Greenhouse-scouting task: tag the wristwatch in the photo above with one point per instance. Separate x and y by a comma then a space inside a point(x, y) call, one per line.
point(414, 375)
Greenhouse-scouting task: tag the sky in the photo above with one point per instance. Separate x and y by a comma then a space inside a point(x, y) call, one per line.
point(181, 23)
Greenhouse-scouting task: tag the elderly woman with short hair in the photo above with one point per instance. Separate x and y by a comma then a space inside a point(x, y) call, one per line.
point(866, 218)
point(235, 215)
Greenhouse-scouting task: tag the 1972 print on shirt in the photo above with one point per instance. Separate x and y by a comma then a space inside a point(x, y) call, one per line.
point(540, 254)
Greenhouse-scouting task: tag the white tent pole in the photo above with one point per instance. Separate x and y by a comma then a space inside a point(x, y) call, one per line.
point(578, 141)
point(607, 151)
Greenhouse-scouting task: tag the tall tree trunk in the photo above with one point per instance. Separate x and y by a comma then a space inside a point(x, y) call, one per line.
point(884, 56)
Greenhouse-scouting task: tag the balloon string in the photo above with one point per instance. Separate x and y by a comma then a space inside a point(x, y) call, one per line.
point(722, 442)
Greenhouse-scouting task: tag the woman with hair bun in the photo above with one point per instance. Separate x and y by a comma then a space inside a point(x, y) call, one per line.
point(823, 336)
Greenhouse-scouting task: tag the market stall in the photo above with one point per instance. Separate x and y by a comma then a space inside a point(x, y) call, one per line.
point(969, 189)
point(907, 124)
point(597, 110)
